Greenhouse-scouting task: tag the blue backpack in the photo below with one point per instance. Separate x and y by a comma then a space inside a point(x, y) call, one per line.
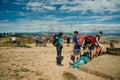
point(55, 40)
point(78, 63)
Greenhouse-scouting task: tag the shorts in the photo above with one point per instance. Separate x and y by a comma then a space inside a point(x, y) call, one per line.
point(37, 41)
point(92, 47)
point(76, 52)
point(14, 41)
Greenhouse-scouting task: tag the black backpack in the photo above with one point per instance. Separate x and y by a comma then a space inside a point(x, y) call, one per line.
point(55, 40)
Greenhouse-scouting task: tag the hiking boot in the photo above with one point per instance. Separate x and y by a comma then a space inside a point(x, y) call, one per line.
point(60, 64)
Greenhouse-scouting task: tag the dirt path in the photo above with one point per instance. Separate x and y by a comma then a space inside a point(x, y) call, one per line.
point(35, 63)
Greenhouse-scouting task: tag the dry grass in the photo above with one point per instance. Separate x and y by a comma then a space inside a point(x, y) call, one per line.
point(38, 73)
point(18, 76)
point(115, 51)
point(69, 76)
point(24, 70)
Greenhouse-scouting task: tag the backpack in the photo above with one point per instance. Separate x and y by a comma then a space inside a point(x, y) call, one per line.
point(55, 40)
point(98, 50)
point(80, 39)
point(91, 38)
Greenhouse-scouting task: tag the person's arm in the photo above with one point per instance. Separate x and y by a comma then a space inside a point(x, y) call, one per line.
point(62, 40)
point(61, 43)
point(98, 43)
point(73, 43)
point(97, 40)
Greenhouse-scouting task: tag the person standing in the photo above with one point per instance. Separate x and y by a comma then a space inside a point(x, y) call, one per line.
point(36, 41)
point(14, 41)
point(59, 47)
point(89, 42)
point(76, 47)
point(98, 37)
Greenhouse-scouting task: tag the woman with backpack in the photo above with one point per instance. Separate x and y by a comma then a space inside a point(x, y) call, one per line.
point(59, 47)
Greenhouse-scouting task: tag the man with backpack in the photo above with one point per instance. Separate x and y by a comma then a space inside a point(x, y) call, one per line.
point(76, 47)
point(90, 41)
point(58, 43)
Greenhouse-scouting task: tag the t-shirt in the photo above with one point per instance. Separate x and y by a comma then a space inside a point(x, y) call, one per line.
point(36, 38)
point(76, 43)
point(13, 38)
point(59, 40)
point(98, 36)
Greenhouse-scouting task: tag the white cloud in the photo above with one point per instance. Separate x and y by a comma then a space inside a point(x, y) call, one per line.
point(96, 6)
point(103, 18)
point(37, 22)
point(43, 25)
point(56, 2)
point(49, 7)
point(18, 3)
point(39, 6)
point(4, 21)
point(91, 19)
point(21, 14)
point(34, 4)
point(4, 1)
point(65, 7)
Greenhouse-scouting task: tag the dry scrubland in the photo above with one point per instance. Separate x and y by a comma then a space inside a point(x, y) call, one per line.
point(38, 63)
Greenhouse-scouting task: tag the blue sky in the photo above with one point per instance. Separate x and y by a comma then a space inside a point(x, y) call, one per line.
point(38, 14)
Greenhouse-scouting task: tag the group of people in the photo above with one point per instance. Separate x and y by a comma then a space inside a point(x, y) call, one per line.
point(40, 41)
point(15, 42)
point(88, 46)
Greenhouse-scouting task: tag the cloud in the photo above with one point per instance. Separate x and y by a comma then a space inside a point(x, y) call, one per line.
point(4, 21)
point(104, 18)
point(90, 19)
point(95, 6)
point(21, 25)
point(5, 1)
point(59, 2)
point(45, 25)
point(65, 11)
point(21, 14)
point(19, 3)
point(49, 7)
point(37, 22)
point(39, 6)
point(82, 6)
point(34, 4)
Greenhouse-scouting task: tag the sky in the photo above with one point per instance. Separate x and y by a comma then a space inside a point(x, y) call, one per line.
point(38, 15)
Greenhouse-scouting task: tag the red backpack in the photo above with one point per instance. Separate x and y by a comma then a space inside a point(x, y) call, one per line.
point(80, 39)
point(91, 38)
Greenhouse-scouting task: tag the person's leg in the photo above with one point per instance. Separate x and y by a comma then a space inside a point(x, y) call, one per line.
point(15, 43)
point(90, 55)
point(12, 44)
point(61, 57)
point(35, 43)
point(18, 43)
point(77, 54)
point(92, 51)
point(58, 55)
